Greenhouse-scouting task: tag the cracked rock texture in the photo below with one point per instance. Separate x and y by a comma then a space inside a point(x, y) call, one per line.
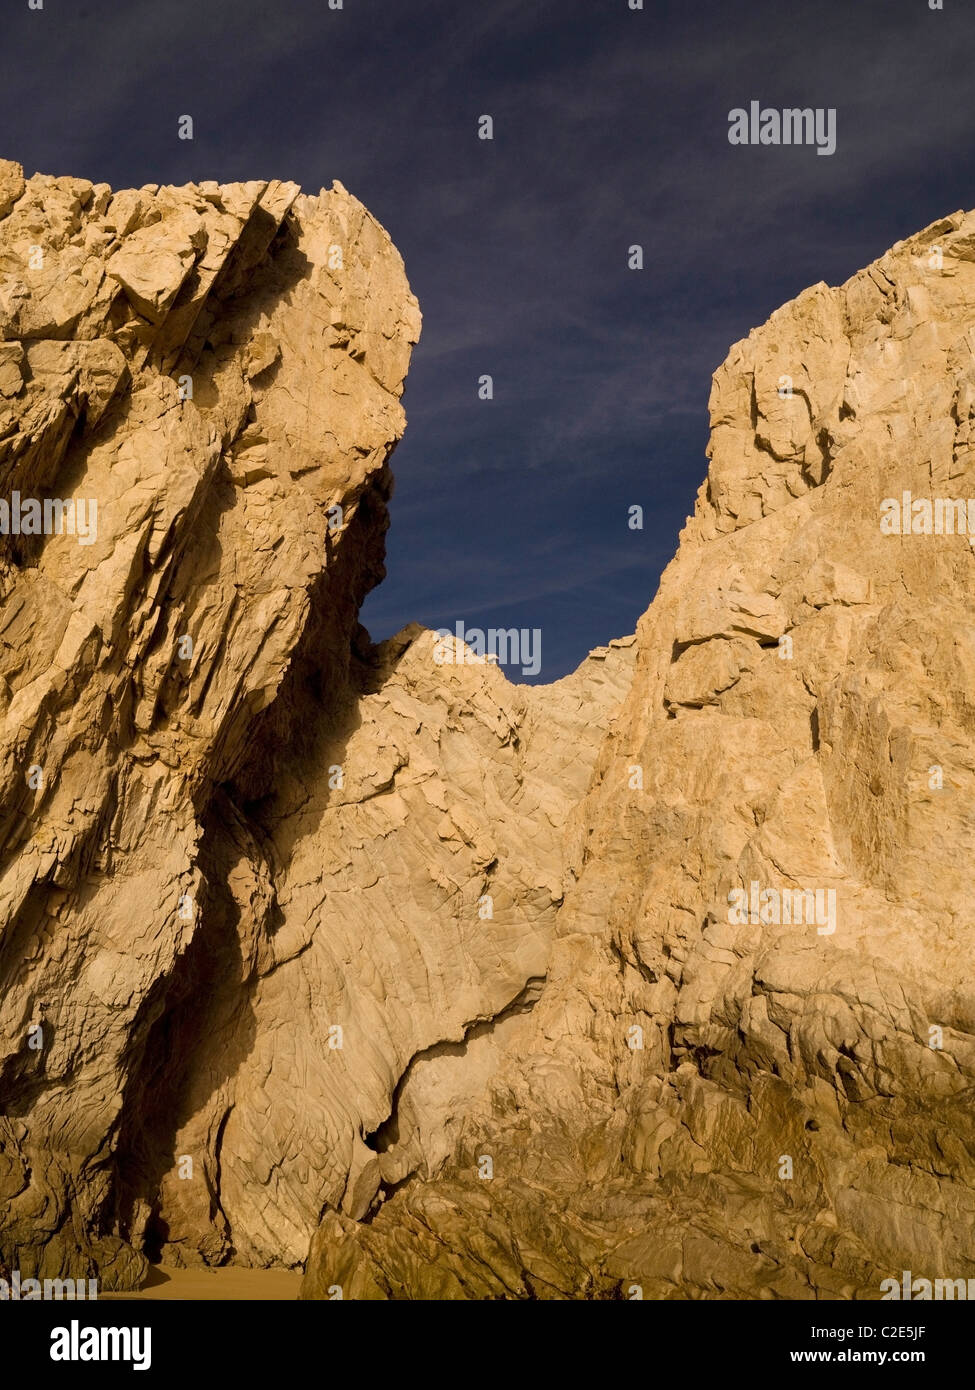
point(799, 1121)
point(136, 883)
point(316, 952)
point(272, 897)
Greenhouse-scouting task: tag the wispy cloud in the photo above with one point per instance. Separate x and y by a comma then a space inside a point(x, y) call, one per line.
point(611, 129)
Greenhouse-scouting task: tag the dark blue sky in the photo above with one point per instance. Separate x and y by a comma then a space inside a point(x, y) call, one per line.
point(611, 128)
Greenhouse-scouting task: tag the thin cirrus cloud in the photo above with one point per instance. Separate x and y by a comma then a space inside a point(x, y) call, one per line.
point(610, 130)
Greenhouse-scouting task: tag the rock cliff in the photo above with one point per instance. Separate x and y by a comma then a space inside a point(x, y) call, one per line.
point(211, 374)
point(259, 877)
point(315, 952)
point(750, 1070)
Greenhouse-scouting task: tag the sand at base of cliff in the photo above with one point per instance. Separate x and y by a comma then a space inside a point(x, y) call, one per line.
point(224, 1284)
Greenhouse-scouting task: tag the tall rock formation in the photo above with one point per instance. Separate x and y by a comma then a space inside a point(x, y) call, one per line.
point(655, 979)
point(259, 877)
point(750, 1070)
point(218, 371)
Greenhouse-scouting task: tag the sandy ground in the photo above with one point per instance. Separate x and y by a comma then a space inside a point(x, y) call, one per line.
point(206, 1284)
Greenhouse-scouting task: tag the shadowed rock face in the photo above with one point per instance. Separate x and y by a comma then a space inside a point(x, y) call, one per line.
point(656, 976)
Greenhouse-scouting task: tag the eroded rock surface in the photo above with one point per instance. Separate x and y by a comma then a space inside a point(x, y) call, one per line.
point(308, 942)
point(704, 1105)
point(272, 896)
point(220, 370)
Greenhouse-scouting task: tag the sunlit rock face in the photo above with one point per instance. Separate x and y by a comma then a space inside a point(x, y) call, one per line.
point(258, 875)
point(213, 376)
point(651, 982)
point(749, 1070)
